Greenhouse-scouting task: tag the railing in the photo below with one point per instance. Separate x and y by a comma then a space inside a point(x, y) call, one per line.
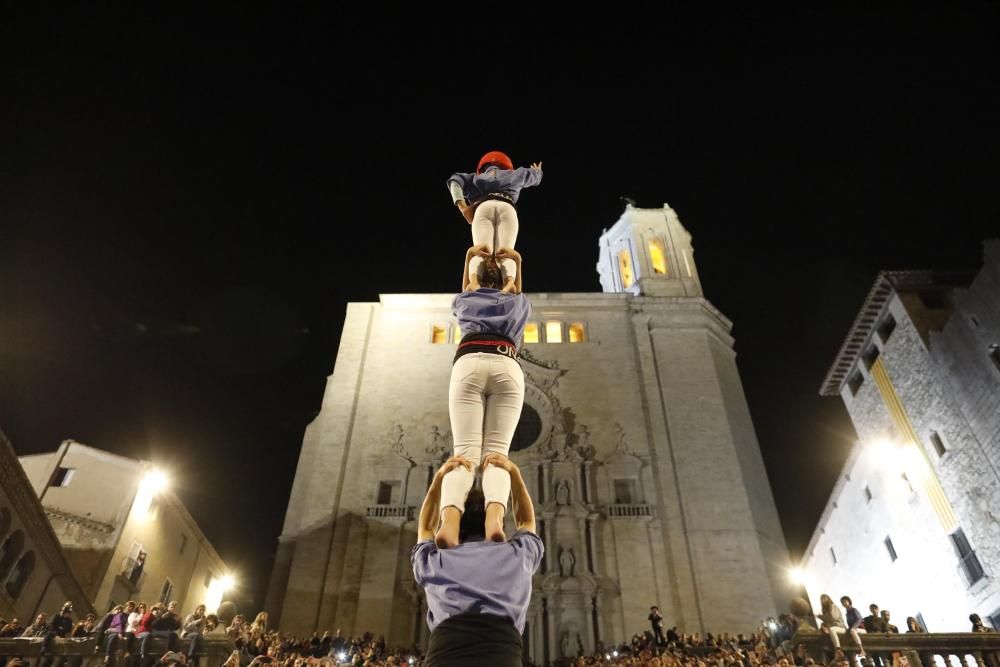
point(81, 652)
point(622, 511)
point(922, 649)
point(389, 512)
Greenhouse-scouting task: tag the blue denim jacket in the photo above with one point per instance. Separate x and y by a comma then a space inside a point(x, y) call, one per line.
point(496, 180)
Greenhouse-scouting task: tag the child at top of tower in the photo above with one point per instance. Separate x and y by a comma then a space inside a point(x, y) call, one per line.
point(487, 199)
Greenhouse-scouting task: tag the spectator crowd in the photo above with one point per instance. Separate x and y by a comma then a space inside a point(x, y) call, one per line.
point(130, 631)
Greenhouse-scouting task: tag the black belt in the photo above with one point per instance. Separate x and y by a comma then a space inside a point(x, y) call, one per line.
point(498, 196)
point(490, 343)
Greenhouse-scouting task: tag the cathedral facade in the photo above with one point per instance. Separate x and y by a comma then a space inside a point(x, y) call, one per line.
point(636, 443)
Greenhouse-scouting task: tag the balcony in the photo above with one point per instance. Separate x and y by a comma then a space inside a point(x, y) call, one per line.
point(630, 511)
point(131, 575)
point(922, 649)
point(390, 512)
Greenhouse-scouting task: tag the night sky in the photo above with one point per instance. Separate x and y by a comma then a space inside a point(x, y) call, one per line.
point(187, 203)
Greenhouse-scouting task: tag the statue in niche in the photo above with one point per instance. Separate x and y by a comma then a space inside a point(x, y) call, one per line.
point(570, 645)
point(562, 493)
point(566, 562)
point(437, 446)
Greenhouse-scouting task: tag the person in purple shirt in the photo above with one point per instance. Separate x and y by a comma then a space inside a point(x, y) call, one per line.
point(486, 392)
point(486, 200)
point(478, 591)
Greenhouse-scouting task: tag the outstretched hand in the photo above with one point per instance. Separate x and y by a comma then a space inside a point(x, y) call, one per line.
point(537, 165)
point(500, 461)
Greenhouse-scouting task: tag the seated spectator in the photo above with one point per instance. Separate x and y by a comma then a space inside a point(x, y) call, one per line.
point(38, 628)
point(977, 624)
point(192, 630)
point(213, 628)
point(112, 627)
point(874, 622)
point(12, 629)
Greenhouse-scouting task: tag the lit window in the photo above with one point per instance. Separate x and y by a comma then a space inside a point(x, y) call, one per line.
point(531, 332)
point(576, 333)
point(625, 268)
point(658, 257)
point(553, 332)
point(439, 335)
point(456, 334)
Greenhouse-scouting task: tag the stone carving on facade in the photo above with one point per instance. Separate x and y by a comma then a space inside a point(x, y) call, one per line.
point(567, 561)
point(582, 444)
point(437, 445)
point(396, 436)
point(562, 493)
point(621, 441)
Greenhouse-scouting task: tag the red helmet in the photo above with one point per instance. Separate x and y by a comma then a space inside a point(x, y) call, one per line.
point(495, 157)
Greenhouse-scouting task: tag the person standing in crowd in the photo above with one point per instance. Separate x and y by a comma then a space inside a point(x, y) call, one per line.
point(913, 625)
point(656, 621)
point(485, 393)
point(492, 193)
point(477, 591)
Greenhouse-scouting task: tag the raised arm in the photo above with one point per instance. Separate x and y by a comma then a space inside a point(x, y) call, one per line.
point(430, 511)
point(510, 253)
point(524, 509)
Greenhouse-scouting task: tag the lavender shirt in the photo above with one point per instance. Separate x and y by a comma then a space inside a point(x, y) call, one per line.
point(489, 310)
point(478, 577)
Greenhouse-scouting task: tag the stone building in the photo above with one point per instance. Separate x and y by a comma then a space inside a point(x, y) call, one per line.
point(635, 440)
point(913, 523)
point(34, 575)
point(125, 534)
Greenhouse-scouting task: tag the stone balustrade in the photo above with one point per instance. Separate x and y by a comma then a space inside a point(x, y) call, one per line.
point(631, 511)
point(958, 649)
point(81, 652)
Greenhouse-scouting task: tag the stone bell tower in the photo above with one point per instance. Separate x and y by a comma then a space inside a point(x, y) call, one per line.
point(648, 252)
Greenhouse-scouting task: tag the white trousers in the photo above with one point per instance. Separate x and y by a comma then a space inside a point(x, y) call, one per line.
point(484, 400)
point(495, 224)
point(837, 630)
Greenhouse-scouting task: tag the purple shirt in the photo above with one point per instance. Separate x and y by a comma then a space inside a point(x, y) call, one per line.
point(118, 623)
point(478, 577)
point(493, 179)
point(491, 311)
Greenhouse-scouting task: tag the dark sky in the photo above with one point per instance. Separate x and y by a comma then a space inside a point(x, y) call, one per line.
point(187, 202)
